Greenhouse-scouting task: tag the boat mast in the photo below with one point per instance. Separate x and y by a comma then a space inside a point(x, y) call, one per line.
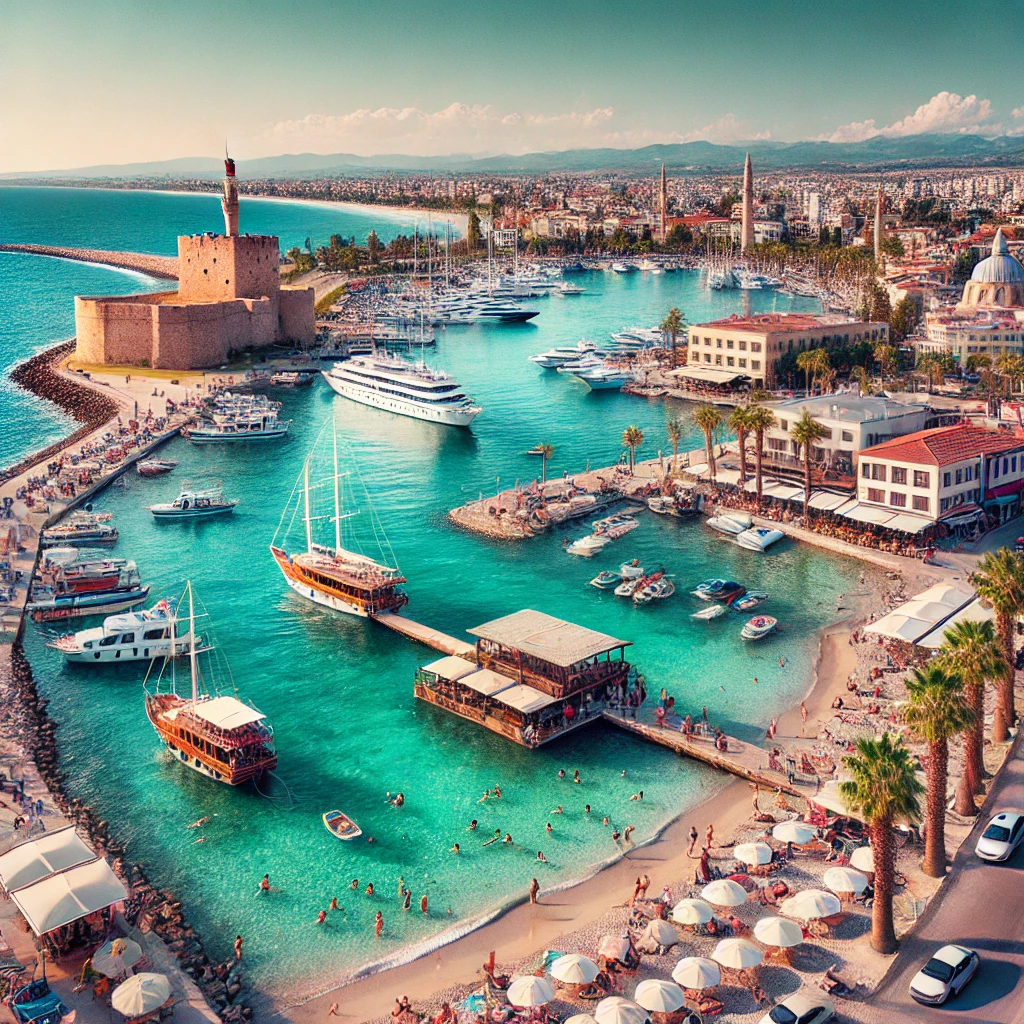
point(305, 497)
point(192, 645)
point(174, 622)
point(337, 497)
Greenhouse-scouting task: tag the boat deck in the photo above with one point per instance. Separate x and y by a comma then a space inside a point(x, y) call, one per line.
point(426, 635)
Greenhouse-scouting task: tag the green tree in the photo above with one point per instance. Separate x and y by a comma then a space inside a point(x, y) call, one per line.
point(883, 789)
point(936, 711)
point(672, 325)
point(374, 247)
point(886, 356)
point(675, 429)
point(973, 650)
point(892, 247)
point(976, 363)
point(759, 419)
point(740, 423)
point(632, 438)
point(999, 581)
point(546, 451)
point(806, 362)
point(903, 319)
point(678, 236)
point(805, 432)
point(863, 379)
point(708, 420)
point(473, 230)
point(1011, 366)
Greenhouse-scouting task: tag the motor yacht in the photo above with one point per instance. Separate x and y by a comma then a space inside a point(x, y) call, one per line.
point(758, 538)
point(195, 503)
point(132, 636)
point(733, 523)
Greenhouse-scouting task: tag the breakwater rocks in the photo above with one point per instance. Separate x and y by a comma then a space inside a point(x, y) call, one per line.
point(24, 720)
point(155, 266)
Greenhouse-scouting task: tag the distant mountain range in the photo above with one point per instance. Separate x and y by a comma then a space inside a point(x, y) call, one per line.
point(878, 153)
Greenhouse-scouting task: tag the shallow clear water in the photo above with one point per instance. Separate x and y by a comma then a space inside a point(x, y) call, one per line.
point(339, 690)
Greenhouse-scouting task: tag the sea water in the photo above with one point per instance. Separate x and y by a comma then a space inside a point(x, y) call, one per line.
point(338, 690)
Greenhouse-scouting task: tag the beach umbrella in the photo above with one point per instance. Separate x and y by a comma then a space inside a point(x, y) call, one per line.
point(810, 905)
point(845, 880)
point(692, 912)
point(575, 969)
point(661, 932)
point(793, 832)
point(863, 859)
point(140, 994)
point(530, 991)
point(724, 893)
point(114, 958)
point(739, 954)
point(753, 854)
point(616, 1010)
point(778, 932)
point(697, 972)
point(580, 1018)
point(613, 947)
point(659, 996)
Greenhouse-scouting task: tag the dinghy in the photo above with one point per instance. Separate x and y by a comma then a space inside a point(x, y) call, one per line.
point(711, 612)
point(759, 627)
point(341, 826)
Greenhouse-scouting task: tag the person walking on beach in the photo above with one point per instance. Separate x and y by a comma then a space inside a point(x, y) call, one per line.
point(803, 717)
point(378, 924)
point(238, 947)
point(709, 835)
point(534, 890)
point(693, 840)
point(333, 1011)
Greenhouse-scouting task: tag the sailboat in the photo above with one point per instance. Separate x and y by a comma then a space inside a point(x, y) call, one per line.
point(221, 737)
point(337, 577)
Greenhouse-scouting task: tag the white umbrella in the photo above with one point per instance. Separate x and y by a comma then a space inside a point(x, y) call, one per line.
point(863, 859)
point(661, 932)
point(793, 832)
point(530, 991)
point(845, 880)
point(778, 932)
point(140, 994)
point(692, 912)
point(810, 905)
point(724, 892)
point(580, 1018)
point(753, 854)
point(613, 947)
point(574, 969)
point(739, 954)
point(114, 958)
point(616, 1010)
point(659, 996)
point(697, 972)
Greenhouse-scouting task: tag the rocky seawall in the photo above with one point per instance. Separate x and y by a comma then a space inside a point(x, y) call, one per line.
point(144, 263)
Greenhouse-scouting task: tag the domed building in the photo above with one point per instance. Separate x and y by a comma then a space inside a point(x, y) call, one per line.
point(998, 280)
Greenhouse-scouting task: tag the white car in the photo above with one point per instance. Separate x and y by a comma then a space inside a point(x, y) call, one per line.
point(803, 1007)
point(946, 974)
point(1003, 835)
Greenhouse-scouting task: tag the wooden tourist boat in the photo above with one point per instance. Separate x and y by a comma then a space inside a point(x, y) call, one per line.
point(341, 826)
point(221, 737)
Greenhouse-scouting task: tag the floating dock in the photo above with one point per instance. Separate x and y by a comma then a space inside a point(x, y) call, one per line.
point(426, 635)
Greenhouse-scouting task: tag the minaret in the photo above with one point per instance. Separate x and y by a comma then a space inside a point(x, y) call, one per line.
point(747, 224)
point(229, 204)
point(878, 227)
point(664, 207)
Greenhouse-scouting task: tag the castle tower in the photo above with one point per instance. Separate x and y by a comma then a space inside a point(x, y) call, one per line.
point(664, 207)
point(229, 204)
point(878, 227)
point(747, 223)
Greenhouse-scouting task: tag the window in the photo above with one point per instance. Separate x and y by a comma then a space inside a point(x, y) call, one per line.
point(995, 469)
point(847, 435)
point(707, 357)
point(128, 638)
point(784, 424)
point(730, 343)
point(969, 473)
point(876, 494)
point(718, 342)
point(959, 476)
point(865, 470)
point(755, 346)
point(897, 499)
point(921, 479)
point(108, 640)
point(878, 472)
point(920, 503)
point(718, 360)
point(899, 474)
point(743, 364)
point(154, 634)
point(755, 364)
point(1013, 464)
point(1006, 466)
point(776, 444)
point(947, 479)
point(743, 346)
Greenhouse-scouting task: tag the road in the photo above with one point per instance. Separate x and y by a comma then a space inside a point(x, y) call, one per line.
point(981, 907)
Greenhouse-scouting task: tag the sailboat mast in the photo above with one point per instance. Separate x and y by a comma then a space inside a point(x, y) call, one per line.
point(337, 498)
point(192, 646)
point(305, 499)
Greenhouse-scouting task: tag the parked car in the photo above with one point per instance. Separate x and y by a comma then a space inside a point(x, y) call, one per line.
point(803, 1007)
point(1003, 835)
point(945, 975)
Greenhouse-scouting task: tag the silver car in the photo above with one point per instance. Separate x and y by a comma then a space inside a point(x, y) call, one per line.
point(1003, 835)
point(945, 975)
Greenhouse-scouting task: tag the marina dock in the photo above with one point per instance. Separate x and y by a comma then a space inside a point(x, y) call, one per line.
point(425, 635)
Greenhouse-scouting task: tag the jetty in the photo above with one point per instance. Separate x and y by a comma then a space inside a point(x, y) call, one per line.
point(145, 263)
point(425, 635)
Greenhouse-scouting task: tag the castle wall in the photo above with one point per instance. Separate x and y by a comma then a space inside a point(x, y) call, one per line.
point(215, 268)
point(116, 329)
point(297, 315)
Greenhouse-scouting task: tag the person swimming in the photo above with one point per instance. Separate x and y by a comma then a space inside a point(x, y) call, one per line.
point(558, 810)
point(561, 773)
point(472, 826)
point(354, 884)
point(548, 827)
point(369, 888)
point(508, 838)
point(200, 823)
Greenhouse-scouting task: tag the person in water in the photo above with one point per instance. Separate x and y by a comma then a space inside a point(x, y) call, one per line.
point(334, 904)
point(378, 922)
point(561, 773)
point(265, 884)
point(456, 849)
point(558, 810)
point(497, 791)
point(407, 901)
point(423, 905)
point(399, 800)
point(321, 918)
point(541, 857)
point(369, 888)
point(548, 828)
point(472, 825)
point(508, 838)
point(354, 883)
point(576, 776)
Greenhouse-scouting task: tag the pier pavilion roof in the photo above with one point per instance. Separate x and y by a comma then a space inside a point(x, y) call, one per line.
point(549, 639)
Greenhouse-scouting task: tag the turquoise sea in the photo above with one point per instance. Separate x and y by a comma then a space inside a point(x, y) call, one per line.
point(339, 690)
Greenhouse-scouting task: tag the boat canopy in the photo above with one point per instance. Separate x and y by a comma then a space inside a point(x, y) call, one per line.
point(226, 712)
point(546, 638)
point(487, 682)
point(451, 667)
point(69, 895)
point(525, 698)
point(33, 861)
point(708, 374)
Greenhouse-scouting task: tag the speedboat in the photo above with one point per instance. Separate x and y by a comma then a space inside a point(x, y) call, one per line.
point(604, 379)
point(655, 590)
point(719, 590)
point(623, 268)
point(758, 538)
point(707, 589)
point(569, 289)
point(730, 592)
point(748, 602)
point(759, 627)
point(583, 363)
point(154, 467)
point(662, 506)
point(629, 587)
point(615, 526)
point(559, 356)
point(631, 570)
point(713, 611)
point(195, 503)
point(733, 523)
point(606, 580)
point(589, 545)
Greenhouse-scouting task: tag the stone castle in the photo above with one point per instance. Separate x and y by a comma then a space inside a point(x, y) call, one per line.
point(229, 298)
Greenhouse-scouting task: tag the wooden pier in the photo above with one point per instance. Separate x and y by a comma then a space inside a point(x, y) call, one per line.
point(426, 635)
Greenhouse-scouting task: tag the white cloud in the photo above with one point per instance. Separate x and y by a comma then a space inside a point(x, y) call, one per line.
point(944, 112)
point(1018, 113)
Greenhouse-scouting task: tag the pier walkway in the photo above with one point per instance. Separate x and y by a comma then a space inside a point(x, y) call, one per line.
point(426, 635)
point(146, 263)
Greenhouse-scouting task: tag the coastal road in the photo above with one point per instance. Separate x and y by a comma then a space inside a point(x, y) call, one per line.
point(981, 907)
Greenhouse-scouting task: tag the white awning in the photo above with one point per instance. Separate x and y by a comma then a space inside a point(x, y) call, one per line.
point(921, 615)
point(708, 374)
point(907, 523)
point(68, 896)
point(42, 857)
point(226, 712)
point(974, 612)
point(827, 501)
point(526, 698)
point(450, 668)
point(487, 682)
point(869, 514)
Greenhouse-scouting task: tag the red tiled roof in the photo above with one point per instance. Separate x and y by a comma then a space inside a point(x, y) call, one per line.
point(942, 446)
point(769, 322)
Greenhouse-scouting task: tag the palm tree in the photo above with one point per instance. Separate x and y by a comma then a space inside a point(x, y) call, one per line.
point(1011, 366)
point(632, 438)
point(805, 432)
point(546, 451)
point(974, 652)
point(807, 361)
point(759, 419)
point(672, 325)
point(937, 710)
point(882, 789)
point(999, 581)
point(675, 428)
point(709, 419)
point(862, 377)
point(739, 423)
point(886, 356)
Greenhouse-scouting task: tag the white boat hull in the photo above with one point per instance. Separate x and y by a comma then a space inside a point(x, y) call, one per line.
point(753, 541)
point(190, 513)
point(200, 436)
point(728, 526)
point(141, 652)
point(336, 604)
point(400, 406)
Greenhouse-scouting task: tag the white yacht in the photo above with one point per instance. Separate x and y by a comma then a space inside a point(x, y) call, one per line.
point(238, 418)
point(604, 378)
point(555, 357)
point(132, 636)
point(635, 338)
point(404, 388)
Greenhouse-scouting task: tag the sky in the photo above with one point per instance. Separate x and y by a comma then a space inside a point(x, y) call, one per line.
point(97, 81)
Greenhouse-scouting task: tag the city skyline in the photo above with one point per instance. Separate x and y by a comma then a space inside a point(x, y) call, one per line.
point(101, 84)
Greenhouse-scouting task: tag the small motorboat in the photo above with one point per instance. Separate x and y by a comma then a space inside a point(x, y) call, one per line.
point(707, 589)
point(588, 546)
point(730, 522)
point(615, 526)
point(662, 506)
point(758, 538)
point(341, 826)
point(730, 592)
point(195, 503)
point(631, 570)
point(629, 587)
point(713, 611)
point(749, 601)
point(655, 590)
point(154, 467)
point(290, 379)
point(606, 580)
point(759, 627)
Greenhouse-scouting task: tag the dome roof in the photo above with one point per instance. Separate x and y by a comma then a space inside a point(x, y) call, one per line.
point(1000, 267)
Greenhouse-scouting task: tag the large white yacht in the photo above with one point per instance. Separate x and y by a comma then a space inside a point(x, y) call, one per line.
point(409, 389)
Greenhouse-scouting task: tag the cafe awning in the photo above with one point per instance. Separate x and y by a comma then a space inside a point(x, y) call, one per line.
point(68, 896)
point(921, 615)
point(486, 682)
point(708, 374)
point(907, 523)
point(451, 668)
point(974, 612)
point(30, 862)
point(526, 698)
